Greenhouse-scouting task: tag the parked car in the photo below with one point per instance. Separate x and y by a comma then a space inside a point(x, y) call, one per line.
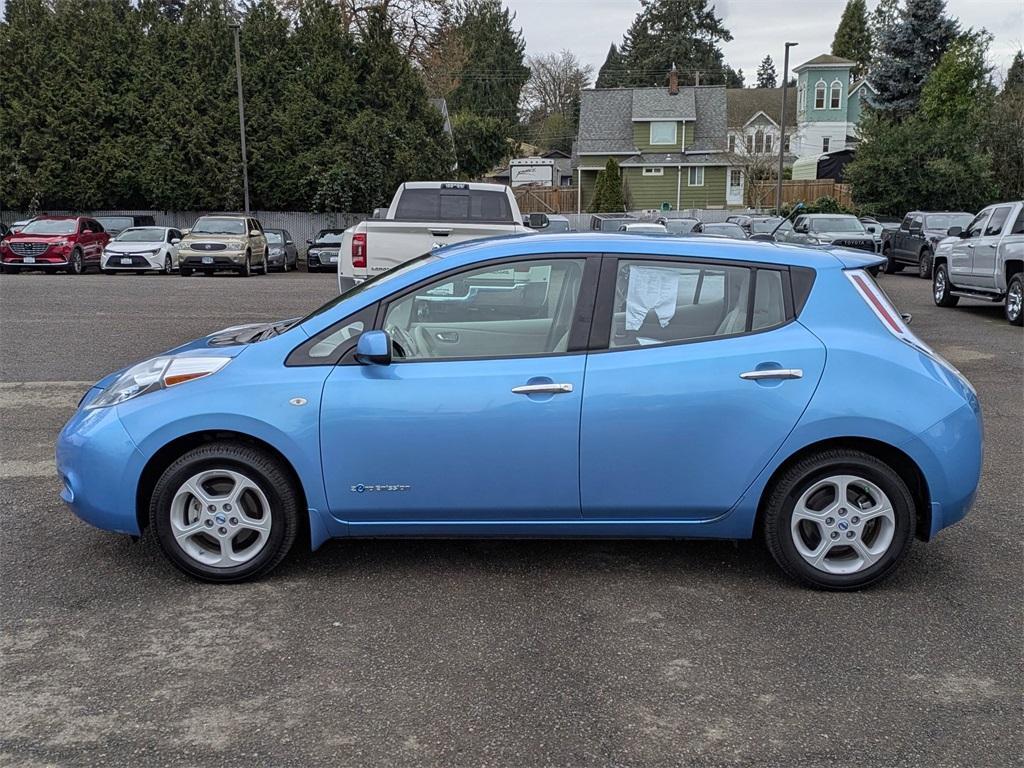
point(224, 242)
point(425, 215)
point(985, 260)
point(681, 226)
point(765, 225)
point(282, 253)
point(322, 254)
point(142, 249)
point(65, 243)
point(914, 241)
point(874, 228)
point(4, 231)
point(500, 388)
point(553, 223)
point(644, 228)
point(115, 225)
point(834, 229)
point(728, 229)
point(610, 222)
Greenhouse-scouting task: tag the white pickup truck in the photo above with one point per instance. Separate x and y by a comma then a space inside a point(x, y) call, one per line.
point(425, 215)
point(985, 260)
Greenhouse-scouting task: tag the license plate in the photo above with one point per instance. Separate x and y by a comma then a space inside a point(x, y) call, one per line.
point(29, 259)
point(334, 259)
point(207, 259)
point(126, 261)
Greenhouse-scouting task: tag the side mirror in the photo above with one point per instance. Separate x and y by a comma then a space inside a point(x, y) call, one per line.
point(186, 232)
point(537, 221)
point(309, 242)
point(907, 317)
point(175, 240)
point(954, 231)
point(254, 233)
point(374, 348)
point(289, 242)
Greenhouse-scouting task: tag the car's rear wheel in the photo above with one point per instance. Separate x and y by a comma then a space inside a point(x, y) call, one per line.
point(1014, 300)
point(841, 519)
point(225, 512)
point(924, 265)
point(942, 289)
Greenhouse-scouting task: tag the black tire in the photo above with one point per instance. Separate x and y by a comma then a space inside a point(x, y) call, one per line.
point(266, 264)
point(890, 267)
point(924, 264)
point(168, 265)
point(942, 288)
point(76, 267)
point(781, 498)
point(1014, 299)
point(184, 272)
point(284, 263)
point(260, 467)
point(246, 271)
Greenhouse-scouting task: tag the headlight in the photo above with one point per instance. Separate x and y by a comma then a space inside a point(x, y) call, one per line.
point(158, 373)
point(276, 251)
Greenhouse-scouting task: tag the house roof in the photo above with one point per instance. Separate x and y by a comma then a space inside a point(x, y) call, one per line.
point(826, 60)
point(862, 83)
point(744, 103)
point(606, 121)
point(659, 104)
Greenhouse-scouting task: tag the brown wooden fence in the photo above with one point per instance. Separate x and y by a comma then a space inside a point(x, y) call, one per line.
point(760, 194)
point(545, 199)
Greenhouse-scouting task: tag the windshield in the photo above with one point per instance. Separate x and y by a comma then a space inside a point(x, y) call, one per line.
point(763, 225)
point(329, 236)
point(51, 227)
point(835, 224)
point(209, 225)
point(557, 225)
point(944, 221)
point(383, 277)
point(115, 223)
point(141, 235)
point(680, 225)
point(273, 236)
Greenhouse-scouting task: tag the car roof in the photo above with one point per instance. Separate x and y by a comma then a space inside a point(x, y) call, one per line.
point(624, 243)
point(57, 218)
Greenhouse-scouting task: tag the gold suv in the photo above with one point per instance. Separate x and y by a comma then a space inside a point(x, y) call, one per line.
point(221, 243)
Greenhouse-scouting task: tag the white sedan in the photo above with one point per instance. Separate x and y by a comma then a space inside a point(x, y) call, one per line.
point(142, 249)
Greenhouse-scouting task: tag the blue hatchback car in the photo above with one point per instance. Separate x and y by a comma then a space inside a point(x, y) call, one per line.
point(547, 386)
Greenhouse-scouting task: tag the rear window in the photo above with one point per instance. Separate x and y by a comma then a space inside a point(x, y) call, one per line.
point(453, 205)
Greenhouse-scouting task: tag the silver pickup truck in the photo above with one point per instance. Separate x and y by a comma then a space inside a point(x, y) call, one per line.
point(984, 261)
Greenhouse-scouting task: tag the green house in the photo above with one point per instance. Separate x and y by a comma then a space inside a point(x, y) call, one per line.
point(669, 142)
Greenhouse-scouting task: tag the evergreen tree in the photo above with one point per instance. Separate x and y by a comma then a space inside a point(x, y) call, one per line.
point(494, 74)
point(766, 76)
point(608, 193)
point(479, 143)
point(686, 33)
point(611, 73)
point(908, 52)
point(1015, 74)
point(853, 37)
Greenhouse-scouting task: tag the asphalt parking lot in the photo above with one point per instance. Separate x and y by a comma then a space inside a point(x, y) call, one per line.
point(498, 653)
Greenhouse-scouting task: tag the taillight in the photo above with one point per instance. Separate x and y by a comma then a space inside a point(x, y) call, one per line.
point(359, 250)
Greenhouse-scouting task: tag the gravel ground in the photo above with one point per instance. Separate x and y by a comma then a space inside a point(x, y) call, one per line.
point(500, 653)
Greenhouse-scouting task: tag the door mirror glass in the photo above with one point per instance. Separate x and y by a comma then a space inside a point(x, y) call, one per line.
point(537, 221)
point(374, 348)
point(954, 232)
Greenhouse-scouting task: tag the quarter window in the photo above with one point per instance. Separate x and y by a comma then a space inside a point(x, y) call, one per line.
point(663, 132)
point(696, 176)
point(518, 308)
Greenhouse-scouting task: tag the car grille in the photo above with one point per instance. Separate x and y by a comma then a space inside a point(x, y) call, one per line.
point(208, 246)
point(863, 245)
point(29, 249)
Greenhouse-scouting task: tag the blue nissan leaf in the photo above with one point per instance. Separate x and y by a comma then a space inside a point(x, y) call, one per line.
point(547, 386)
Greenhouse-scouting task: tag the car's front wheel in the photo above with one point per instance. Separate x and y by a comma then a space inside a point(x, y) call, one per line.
point(168, 265)
point(1014, 300)
point(225, 512)
point(942, 289)
point(246, 270)
point(890, 266)
point(76, 266)
point(840, 520)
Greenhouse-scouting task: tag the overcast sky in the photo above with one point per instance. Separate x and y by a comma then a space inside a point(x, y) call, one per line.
point(588, 27)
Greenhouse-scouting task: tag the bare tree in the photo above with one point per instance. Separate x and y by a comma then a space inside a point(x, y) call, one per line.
point(442, 61)
point(760, 170)
point(556, 80)
point(414, 21)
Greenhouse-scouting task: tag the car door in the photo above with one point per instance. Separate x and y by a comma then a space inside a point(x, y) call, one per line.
point(983, 266)
point(173, 238)
point(477, 419)
point(91, 241)
point(699, 386)
point(899, 239)
point(291, 254)
point(961, 259)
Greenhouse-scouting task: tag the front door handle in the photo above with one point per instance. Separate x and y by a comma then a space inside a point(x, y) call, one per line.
point(542, 389)
point(773, 373)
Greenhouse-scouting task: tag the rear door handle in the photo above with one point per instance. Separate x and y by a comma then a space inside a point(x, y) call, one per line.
point(773, 373)
point(542, 389)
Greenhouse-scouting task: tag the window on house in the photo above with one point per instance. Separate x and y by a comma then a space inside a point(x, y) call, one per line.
point(759, 141)
point(654, 171)
point(735, 178)
point(732, 142)
point(819, 95)
point(824, 144)
point(836, 95)
point(750, 144)
point(663, 132)
point(768, 142)
point(801, 98)
point(785, 144)
point(696, 176)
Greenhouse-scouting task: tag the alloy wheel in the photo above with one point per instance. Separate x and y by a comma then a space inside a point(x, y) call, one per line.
point(843, 524)
point(220, 518)
point(939, 286)
point(168, 267)
point(1014, 301)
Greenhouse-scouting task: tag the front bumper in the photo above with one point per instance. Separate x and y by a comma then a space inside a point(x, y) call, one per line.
point(45, 261)
point(322, 260)
point(99, 467)
point(138, 261)
point(212, 260)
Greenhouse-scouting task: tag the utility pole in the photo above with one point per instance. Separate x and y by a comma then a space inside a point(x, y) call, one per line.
point(782, 130)
point(241, 115)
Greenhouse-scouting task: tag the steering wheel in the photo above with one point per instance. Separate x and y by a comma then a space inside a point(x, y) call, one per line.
point(404, 344)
